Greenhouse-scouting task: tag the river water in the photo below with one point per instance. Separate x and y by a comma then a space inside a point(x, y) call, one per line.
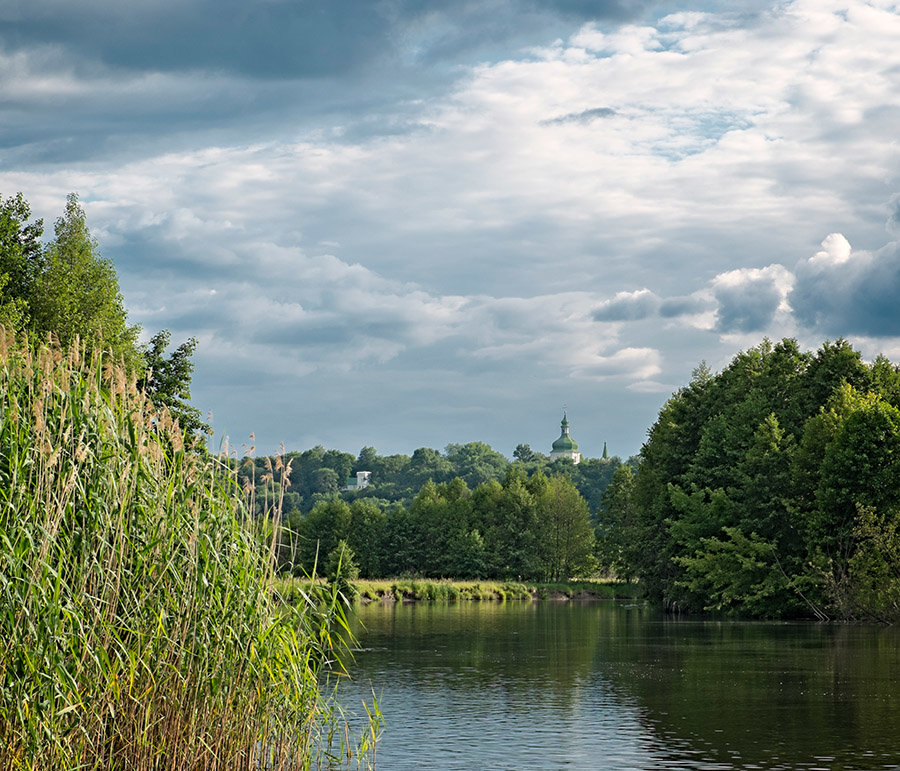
point(603, 685)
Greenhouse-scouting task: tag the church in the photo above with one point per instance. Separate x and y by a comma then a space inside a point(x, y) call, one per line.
point(565, 446)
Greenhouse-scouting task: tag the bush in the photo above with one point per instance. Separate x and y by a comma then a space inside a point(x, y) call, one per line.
point(341, 570)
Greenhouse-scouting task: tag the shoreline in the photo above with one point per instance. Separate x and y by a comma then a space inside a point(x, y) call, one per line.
point(442, 590)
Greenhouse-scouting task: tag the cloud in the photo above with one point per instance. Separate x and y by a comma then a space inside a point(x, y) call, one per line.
point(835, 251)
point(632, 364)
point(689, 305)
point(470, 208)
point(628, 306)
point(585, 116)
point(893, 223)
point(284, 40)
point(749, 297)
point(839, 291)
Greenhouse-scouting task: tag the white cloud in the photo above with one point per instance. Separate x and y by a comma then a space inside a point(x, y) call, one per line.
point(835, 251)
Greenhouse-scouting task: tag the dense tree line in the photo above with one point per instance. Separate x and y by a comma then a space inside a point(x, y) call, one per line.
point(65, 291)
point(318, 475)
point(528, 528)
point(769, 489)
point(467, 512)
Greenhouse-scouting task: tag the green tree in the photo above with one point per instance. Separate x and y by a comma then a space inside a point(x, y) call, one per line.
point(861, 468)
point(524, 453)
point(872, 589)
point(325, 480)
point(321, 530)
point(77, 294)
point(341, 570)
point(476, 462)
point(167, 380)
point(366, 459)
point(509, 518)
point(441, 524)
point(617, 533)
point(366, 536)
point(21, 260)
point(425, 464)
point(567, 536)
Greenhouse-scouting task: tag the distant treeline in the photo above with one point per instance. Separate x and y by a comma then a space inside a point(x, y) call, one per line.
point(319, 475)
point(536, 529)
point(769, 489)
point(465, 513)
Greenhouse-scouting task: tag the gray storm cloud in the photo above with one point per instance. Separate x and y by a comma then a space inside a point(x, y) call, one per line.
point(748, 306)
point(628, 306)
point(841, 292)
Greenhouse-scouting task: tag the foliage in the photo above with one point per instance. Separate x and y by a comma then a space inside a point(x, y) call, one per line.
point(616, 525)
point(341, 570)
point(76, 295)
point(167, 380)
point(566, 534)
point(521, 529)
point(873, 577)
point(766, 489)
point(139, 628)
point(67, 291)
point(21, 260)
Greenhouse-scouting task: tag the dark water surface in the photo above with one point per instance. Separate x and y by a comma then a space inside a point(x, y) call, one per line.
point(611, 686)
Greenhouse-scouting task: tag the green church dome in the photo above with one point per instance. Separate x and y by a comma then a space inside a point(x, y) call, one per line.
point(565, 443)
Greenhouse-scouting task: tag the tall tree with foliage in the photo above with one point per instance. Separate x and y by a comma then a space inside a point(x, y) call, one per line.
point(21, 260)
point(566, 534)
point(77, 294)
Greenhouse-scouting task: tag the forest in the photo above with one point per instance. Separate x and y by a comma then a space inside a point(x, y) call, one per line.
point(769, 489)
point(464, 513)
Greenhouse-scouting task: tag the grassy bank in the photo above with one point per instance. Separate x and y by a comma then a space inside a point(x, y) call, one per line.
point(433, 590)
point(138, 625)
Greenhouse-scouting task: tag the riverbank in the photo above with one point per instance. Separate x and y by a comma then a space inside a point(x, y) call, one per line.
point(387, 590)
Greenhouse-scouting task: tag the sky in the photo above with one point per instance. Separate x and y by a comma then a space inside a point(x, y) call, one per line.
point(407, 223)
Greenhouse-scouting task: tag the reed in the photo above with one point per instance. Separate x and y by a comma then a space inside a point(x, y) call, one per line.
point(139, 628)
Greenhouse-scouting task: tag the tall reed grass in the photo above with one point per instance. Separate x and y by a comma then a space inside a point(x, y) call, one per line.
point(138, 624)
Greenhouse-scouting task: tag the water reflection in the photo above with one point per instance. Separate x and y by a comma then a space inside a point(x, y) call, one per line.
point(563, 686)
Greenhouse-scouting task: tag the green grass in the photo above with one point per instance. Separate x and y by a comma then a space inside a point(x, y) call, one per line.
point(139, 623)
point(445, 590)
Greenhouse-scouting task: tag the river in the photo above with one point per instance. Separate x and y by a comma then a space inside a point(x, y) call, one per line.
point(552, 685)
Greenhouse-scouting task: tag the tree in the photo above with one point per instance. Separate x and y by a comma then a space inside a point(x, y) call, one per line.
point(861, 468)
point(426, 464)
point(524, 453)
point(567, 535)
point(509, 516)
point(21, 260)
point(321, 530)
point(167, 380)
point(476, 462)
point(341, 570)
point(77, 293)
point(366, 536)
point(367, 459)
point(617, 525)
